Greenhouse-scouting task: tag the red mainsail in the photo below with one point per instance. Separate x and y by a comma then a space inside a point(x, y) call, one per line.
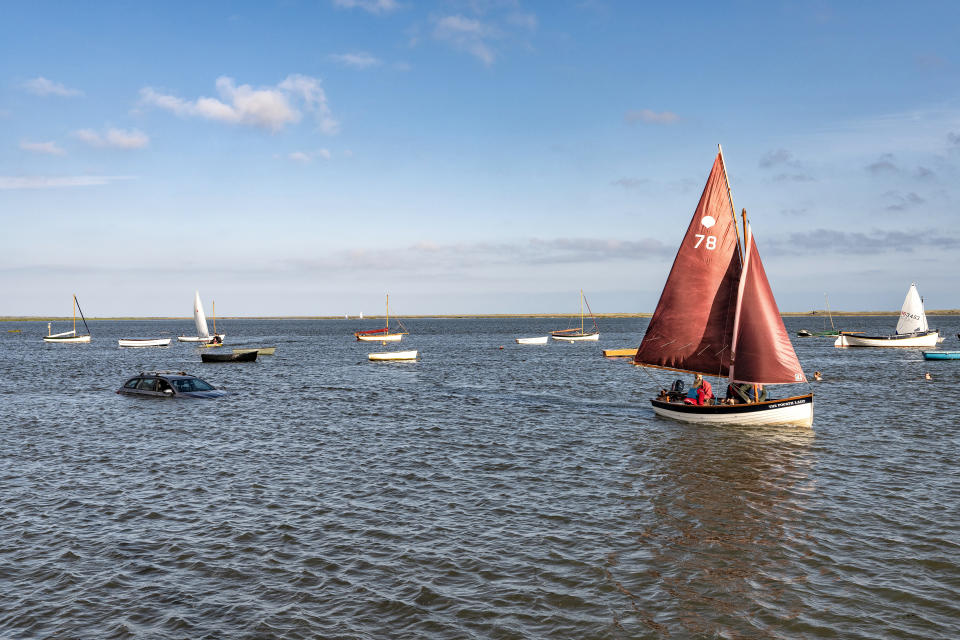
point(692, 327)
point(763, 353)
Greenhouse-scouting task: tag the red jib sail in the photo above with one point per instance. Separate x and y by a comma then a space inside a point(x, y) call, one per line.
point(692, 327)
point(763, 353)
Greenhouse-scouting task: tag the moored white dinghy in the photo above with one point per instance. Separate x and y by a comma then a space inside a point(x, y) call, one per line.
point(590, 337)
point(144, 342)
point(537, 340)
point(70, 337)
point(912, 328)
point(394, 355)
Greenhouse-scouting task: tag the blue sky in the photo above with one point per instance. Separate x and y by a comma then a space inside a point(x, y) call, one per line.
point(307, 157)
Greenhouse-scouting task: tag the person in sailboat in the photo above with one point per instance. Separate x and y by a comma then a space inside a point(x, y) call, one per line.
point(700, 393)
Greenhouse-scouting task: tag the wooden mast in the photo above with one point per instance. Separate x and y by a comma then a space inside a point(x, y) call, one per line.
point(581, 311)
point(733, 209)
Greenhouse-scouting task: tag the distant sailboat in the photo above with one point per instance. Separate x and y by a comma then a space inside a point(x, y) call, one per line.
point(384, 334)
point(804, 333)
point(912, 328)
point(70, 336)
point(200, 320)
point(717, 317)
point(579, 334)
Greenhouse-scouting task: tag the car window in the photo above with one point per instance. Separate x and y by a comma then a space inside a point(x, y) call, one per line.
point(162, 385)
point(147, 384)
point(132, 383)
point(200, 385)
point(185, 385)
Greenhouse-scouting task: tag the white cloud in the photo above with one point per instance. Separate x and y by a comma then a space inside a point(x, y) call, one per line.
point(114, 138)
point(467, 35)
point(370, 6)
point(56, 182)
point(309, 156)
point(651, 117)
point(270, 108)
point(359, 60)
point(49, 148)
point(43, 87)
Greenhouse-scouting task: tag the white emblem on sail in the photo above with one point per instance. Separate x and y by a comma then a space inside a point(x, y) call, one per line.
point(708, 221)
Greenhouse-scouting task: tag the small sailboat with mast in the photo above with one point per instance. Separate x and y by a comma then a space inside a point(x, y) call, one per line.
point(70, 336)
point(385, 334)
point(912, 328)
point(579, 334)
point(717, 317)
point(200, 321)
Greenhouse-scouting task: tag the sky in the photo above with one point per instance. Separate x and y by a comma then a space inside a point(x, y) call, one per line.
point(304, 157)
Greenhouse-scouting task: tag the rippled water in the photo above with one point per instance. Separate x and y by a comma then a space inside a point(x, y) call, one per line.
point(523, 492)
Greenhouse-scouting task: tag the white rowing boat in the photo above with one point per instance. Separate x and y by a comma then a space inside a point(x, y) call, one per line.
point(144, 342)
point(394, 355)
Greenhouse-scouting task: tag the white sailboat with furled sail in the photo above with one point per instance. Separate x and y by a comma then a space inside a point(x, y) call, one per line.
point(717, 317)
point(385, 334)
point(200, 320)
point(579, 334)
point(912, 328)
point(71, 336)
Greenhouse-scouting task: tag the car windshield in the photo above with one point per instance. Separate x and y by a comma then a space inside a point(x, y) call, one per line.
point(185, 385)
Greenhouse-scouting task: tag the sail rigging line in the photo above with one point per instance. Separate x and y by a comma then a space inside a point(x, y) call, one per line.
point(76, 302)
point(583, 298)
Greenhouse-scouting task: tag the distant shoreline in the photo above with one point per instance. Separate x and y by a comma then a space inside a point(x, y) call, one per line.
point(466, 316)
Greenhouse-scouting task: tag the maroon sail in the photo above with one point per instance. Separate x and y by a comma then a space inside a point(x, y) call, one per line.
point(692, 327)
point(763, 351)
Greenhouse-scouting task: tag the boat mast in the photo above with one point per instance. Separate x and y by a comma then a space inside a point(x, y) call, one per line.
point(733, 209)
point(740, 288)
point(826, 301)
point(74, 314)
point(387, 324)
point(581, 310)
point(213, 310)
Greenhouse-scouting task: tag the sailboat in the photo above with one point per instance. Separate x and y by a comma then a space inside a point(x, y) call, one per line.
point(579, 334)
point(912, 328)
point(384, 334)
point(200, 320)
point(70, 336)
point(717, 317)
point(804, 333)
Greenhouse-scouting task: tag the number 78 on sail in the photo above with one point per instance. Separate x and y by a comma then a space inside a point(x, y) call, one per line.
point(717, 317)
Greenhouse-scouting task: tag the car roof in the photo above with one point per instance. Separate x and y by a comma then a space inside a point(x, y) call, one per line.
point(165, 374)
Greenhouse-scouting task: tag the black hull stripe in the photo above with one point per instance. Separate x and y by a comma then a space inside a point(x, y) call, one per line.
point(733, 409)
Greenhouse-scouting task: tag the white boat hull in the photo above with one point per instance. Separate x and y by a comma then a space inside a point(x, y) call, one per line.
point(144, 342)
point(199, 338)
point(386, 337)
point(71, 338)
point(540, 340)
point(929, 339)
point(590, 337)
point(797, 411)
point(394, 355)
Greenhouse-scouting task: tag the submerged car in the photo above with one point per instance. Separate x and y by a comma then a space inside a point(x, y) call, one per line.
point(176, 384)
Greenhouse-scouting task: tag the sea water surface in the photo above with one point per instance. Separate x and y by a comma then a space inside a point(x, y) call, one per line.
point(481, 492)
